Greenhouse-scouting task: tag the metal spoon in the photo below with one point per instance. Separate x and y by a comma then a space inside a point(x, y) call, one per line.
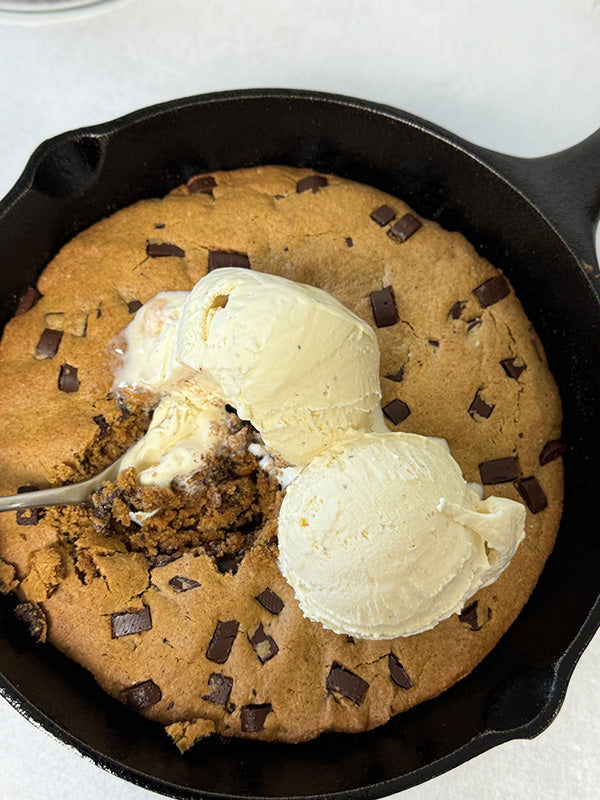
point(72, 495)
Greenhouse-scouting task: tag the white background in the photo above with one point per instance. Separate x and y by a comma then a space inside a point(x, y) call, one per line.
point(521, 76)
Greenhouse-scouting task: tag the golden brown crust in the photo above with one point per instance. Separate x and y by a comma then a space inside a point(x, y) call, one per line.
point(448, 349)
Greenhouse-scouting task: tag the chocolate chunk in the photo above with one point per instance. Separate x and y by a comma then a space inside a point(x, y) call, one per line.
point(347, 683)
point(396, 411)
point(457, 309)
point(201, 184)
point(469, 616)
point(479, 407)
point(311, 182)
point(492, 290)
point(124, 623)
point(253, 717)
point(271, 601)
point(264, 645)
point(433, 342)
point(473, 323)
point(398, 674)
point(405, 227)
point(134, 305)
point(163, 249)
point(25, 489)
point(101, 422)
point(397, 376)
point(218, 259)
point(513, 366)
point(181, 584)
point(221, 686)
point(32, 615)
point(349, 639)
point(383, 306)
point(552, 450)
point(533, 494)
point(29, 516)
point(162, 559)
point(222, 641)
point(349, 242)
point(141, 695)
point(67, 379)
point(47, 347)
point(28, 301)
point(382, 215)
point(159, 225)
point(501, 470)
point(229, 564)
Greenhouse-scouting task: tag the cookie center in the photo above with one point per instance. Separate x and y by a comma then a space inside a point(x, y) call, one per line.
point(222, 509)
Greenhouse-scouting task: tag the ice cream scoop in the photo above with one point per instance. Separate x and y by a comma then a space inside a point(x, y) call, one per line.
point(188, 422)
point(296, 363)
point(149, 361)
point(380, 536)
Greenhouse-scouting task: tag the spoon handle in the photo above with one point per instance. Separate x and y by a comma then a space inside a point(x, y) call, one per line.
point(72, 494)
point(63, 495)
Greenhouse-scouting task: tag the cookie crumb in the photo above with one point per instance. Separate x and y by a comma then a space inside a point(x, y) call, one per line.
point(8, 577)
point(188, 733)
point(46, 571)
point(33, 616)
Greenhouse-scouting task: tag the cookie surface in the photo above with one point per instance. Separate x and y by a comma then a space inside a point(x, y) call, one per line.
point(171, 626)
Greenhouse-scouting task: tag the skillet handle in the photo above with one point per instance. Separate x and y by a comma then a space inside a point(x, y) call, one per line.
point(565, 187)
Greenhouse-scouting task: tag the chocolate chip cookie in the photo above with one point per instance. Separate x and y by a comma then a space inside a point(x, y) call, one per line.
point(183, 614)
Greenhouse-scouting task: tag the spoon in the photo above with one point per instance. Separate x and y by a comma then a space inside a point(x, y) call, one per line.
point(74, 494)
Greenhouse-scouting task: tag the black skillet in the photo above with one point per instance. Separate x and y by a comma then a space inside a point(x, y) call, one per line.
point(535, 219)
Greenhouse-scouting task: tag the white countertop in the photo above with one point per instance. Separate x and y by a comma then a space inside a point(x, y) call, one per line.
point(520, 76)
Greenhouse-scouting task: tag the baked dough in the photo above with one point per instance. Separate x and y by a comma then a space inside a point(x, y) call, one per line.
point(200, 631)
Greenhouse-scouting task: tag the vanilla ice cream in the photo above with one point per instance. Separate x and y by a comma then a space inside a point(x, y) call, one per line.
point(302, 368)
point(188, 423)
point(380, 536)
point(149, 361)
point(183, 431)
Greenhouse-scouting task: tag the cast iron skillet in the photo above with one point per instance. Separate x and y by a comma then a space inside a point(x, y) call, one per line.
point(533, 218)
